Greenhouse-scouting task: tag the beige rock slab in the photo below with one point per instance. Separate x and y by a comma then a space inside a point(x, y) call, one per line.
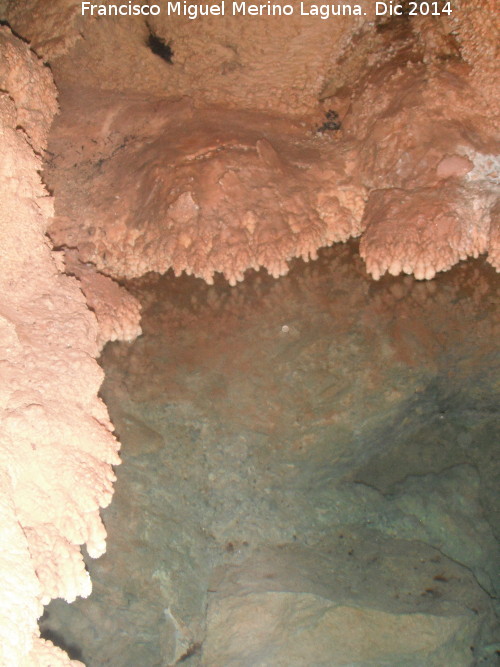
point(360, 598)
point(295, 630)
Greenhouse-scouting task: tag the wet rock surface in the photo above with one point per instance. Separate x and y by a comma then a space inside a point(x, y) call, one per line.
point(309, 478)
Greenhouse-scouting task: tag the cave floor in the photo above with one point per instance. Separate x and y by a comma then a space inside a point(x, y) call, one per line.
point(310, 475)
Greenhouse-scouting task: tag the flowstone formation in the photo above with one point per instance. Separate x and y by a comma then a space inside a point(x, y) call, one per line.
point(185, 175)
point(56, 442)
point(225, 191)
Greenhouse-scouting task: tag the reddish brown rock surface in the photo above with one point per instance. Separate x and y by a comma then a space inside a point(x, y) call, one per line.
point(214, 183)
point(209, 191)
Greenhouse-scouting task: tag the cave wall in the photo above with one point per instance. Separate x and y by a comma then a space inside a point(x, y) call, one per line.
point(57, 447)
point(412, 171)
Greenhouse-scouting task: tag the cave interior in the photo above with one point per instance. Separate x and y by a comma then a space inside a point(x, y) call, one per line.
point(249, 333)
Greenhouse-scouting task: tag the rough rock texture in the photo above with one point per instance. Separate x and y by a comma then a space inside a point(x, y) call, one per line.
point(476, 25)
point(118, 313)
point(20, 72)
point(423, 231)
point(494, 242)
point(261, 423)
point(323, 633)
point(218, 190)
point(50, 28)
point(225, 191)
point(362, 599)
point(56, 448)
point(269, 63)
point(210, 163)
point(424, 129)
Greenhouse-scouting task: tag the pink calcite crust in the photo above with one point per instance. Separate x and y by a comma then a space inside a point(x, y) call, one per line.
point(155, 183)
point(50, 27)
point(221, 194)
point(425, 159)
point(56, 442)
point(494, 242)
point(118, 313)
point(422, 231)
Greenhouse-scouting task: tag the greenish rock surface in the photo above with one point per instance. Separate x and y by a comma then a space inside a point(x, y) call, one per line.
point(310, 475)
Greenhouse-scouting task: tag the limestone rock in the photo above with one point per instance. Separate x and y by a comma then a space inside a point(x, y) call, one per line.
point(361, 599)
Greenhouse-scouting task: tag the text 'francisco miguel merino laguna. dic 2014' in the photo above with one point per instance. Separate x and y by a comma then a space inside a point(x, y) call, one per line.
point(243, 8)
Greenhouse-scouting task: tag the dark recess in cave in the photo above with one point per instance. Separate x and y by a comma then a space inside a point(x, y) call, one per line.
point(159, 47)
